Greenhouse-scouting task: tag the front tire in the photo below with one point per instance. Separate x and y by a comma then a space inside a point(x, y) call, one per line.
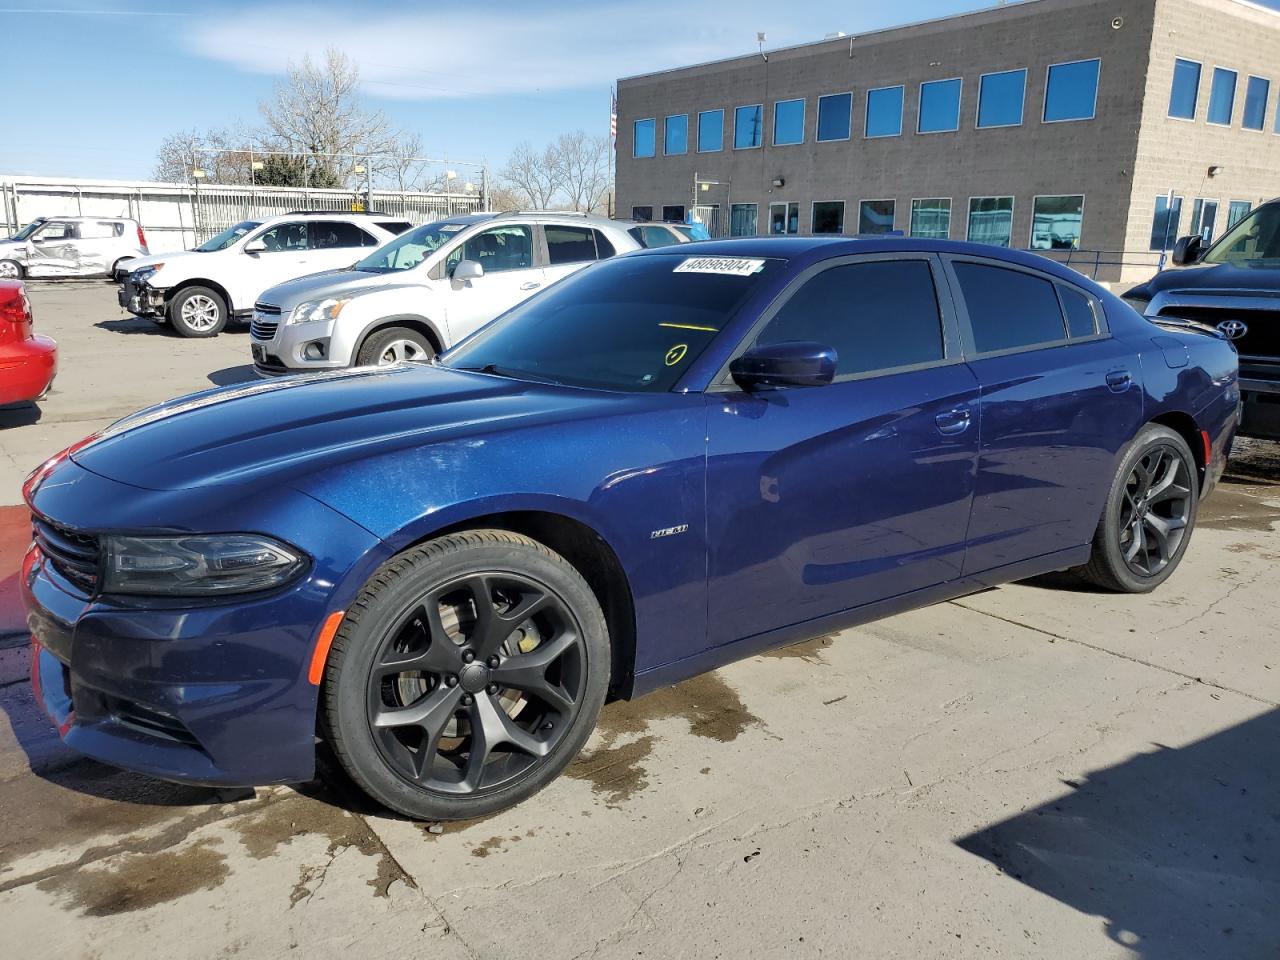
point(466, 675)
point(394, 345)
point(1149, 515)
point(198, 312)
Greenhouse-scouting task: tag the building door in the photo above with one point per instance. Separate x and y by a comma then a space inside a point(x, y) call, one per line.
point(784, 218)
point(1204, 217)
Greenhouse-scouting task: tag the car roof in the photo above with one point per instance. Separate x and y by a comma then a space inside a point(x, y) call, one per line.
point(81, 217)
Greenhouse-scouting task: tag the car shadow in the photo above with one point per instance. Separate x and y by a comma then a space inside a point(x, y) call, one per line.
point(229, 375)
point(20, 415)
point(1177, 849)
point(133, 324)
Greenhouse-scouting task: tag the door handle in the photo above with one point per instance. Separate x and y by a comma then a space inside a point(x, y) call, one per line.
point(952, 422)
point(1118, 380)
point(531, 285)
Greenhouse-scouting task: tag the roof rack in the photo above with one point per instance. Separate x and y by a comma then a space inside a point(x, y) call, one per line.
point(545, 213)
point(331, 213)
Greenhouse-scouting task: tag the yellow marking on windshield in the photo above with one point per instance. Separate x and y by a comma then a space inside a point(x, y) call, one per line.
point(676, 354)
point(689, 326)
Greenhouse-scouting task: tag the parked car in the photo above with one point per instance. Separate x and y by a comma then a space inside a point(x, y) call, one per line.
point(1233, 285)
point(198, 291)
point(659, 465)
point(650, 235)
point(425, 291)
point(28, 363)
point(71, 247)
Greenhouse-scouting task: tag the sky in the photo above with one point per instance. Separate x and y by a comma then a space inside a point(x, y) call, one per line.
point(99, 85)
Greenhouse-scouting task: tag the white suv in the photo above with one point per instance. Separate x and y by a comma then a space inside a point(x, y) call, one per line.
point(425, 291)
point(198, 291)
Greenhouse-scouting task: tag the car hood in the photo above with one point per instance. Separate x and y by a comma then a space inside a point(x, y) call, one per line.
point(137, 263)
point(1217, 277)
point(6, 242)
point(283, 429)
point(318, 286)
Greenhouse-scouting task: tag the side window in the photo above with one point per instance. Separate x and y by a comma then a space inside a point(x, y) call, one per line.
point(878, 315)
point(1082, 318)
point(497, 249)
point(570, 244)
point(604, 249)
point(56, 230)
point(1009, 308)
point(285, 238)
point(332, 234)
point(396, 227)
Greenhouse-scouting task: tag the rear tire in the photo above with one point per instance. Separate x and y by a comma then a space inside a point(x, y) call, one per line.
point(1149, 514)
point(198, 312)
point(441, 711)
point(394, 345)
point(11, 270)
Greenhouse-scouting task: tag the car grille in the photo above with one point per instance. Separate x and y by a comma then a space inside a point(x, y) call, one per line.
point(74, 555)
point(1262, 339)
point(266, 318)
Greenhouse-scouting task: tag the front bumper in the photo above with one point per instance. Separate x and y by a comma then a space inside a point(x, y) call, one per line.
point(212, 692)
point(280, 348)
point(142, 300)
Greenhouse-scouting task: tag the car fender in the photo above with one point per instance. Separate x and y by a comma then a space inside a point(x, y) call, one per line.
point(380, 307)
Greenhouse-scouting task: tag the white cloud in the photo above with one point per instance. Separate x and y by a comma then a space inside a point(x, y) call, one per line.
point(435, 55)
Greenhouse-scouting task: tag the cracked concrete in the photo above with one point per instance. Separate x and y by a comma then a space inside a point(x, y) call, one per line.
point(1034, 771)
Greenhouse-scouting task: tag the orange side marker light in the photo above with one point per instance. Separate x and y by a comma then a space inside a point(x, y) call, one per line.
point(323, 643)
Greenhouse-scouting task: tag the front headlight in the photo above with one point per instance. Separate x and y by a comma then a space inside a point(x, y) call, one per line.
point(327, 309)
point(198, 565)
point(143, 274)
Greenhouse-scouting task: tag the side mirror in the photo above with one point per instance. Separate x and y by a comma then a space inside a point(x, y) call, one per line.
point(797, 363)
point(255, 246)
point(467, 270)
point(1187, 250)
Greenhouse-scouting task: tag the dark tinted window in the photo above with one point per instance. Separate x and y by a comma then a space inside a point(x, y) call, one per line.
point(673, 213)
point(497, 249)
point(328, 234)
point(1008, 308)
point(395, 226)
point(642, 213)
point(1081, 320)
point(877, 315)
point(570, 244)
point(603, 247)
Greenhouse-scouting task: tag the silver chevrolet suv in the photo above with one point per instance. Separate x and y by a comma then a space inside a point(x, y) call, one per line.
point(424, 291)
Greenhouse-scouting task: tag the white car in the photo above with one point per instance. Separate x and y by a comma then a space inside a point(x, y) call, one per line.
point(71, 247)
point(198, 291)
point(425, 291)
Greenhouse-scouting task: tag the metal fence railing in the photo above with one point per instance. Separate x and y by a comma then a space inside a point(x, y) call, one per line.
point(1106, 264)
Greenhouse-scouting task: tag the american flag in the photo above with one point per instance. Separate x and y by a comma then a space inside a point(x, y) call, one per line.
point(613, 115)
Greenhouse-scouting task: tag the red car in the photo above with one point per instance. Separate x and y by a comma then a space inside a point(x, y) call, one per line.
point(27, 363)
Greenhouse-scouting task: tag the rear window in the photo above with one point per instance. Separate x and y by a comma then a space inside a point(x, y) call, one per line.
point(1009, 309)
point(395, 226)
point(575, 244)
point(1082, 321)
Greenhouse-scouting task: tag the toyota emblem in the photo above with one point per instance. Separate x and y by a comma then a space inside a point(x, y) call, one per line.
point(1233, 329)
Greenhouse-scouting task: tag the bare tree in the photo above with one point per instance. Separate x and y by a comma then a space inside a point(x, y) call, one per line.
point(582, 163)
point(534, 176)
point(502, 198)
point(225, 154)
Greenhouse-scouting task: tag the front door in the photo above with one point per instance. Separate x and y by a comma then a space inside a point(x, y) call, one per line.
point(287, 256)
point(53, 250)
point(511, 273)
point(821, 499)
point(336, 244)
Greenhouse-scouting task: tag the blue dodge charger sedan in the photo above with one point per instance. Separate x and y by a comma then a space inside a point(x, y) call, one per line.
point(658, 465)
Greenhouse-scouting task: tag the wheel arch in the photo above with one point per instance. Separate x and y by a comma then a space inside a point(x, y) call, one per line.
point(219, 289)
point(411, 320)
point(1186, 426)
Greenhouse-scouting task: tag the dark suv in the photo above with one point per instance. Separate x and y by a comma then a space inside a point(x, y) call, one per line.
point(1233, 285)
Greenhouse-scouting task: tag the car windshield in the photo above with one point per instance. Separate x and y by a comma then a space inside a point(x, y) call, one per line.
point(227, 237)
point(1253, 242)
point(410, 249)
point(28, 230)
point(633, 324)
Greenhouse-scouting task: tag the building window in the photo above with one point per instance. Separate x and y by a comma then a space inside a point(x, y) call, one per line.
point(1186, 88)
point(673, 213)
point(1222, 96)
point(784, 218)
point(742, 220)
point(991, 220)
point(1055, 222)
point(835, 115)
point(710, 131)
point(788, 122)
point(939, 106)
point(642, 213)
point(1204, 216)
point(1165, 223)
point(1071, 91)
point(884, 112)
point(828, 216)
point(1237, 210)
point(931, 219)
point(1000, 98)
point(1256, 92)
point(646, 132)
point(875, 216)
point(675, 135)
point(748, 127)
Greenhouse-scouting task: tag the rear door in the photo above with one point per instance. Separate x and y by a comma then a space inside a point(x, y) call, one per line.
point(1060, 398)
point(572, 247)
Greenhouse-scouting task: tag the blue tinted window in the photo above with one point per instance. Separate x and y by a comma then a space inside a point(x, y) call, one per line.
point(748, 124)
point(710, 131)
point(1164, 225)
point(1255, 103)
point(1222, 96)
point(646, 134)
point(1186, 87)
point(1072, 91)
point(788, 122)
point(1081, 320)
point(1008, 308)
point(675, 137)
point(1000, 97)
point(939, 106)
point(884, 112)
point(834, 114)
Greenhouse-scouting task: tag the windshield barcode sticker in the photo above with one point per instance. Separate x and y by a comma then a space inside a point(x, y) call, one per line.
point(452, 227)
point(729, 266)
